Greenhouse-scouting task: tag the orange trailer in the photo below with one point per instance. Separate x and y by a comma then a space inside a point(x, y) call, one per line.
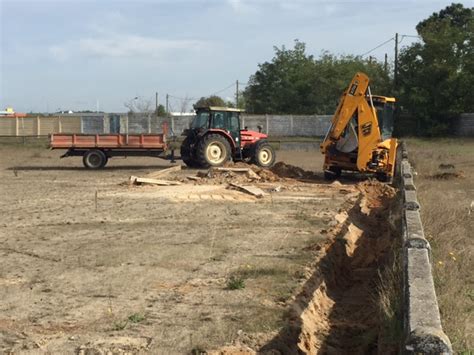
point(96, 149)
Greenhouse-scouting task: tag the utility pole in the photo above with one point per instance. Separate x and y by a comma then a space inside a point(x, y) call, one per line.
point(385, 64)
point(156, 101)
point(395, 73)
point(236, 94)
point(167, 103)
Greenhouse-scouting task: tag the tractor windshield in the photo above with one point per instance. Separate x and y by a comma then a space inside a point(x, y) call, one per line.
point(201, 120)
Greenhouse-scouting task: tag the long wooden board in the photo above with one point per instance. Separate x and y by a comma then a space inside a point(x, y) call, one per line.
point(138, 180)
point(252, 190)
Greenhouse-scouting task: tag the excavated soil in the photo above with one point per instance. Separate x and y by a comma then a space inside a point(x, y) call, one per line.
point(336, 312)
point(280, 172)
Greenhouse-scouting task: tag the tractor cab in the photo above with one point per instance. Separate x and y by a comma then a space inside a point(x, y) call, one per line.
point(218, 118)
point(215, 136)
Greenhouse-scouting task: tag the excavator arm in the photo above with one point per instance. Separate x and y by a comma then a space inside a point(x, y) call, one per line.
point(356, 112)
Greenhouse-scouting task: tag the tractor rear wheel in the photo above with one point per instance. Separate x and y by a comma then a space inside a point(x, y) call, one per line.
point(94, 159)
point(263, 154)
point(187, 154)
point(213, 150)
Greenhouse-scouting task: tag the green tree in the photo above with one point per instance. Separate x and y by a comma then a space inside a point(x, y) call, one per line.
point(295, 82)
point(212, 100)
point(282, 85)
point(436, 76)
point(160, 111)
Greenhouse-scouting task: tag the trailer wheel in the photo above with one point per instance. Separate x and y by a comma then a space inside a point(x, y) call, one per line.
point(94, 159)
point(263, 154)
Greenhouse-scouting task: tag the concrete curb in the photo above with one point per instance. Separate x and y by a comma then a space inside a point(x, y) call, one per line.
point(422, 322)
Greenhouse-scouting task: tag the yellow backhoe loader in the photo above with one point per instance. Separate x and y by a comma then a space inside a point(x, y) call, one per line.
point(359, 138)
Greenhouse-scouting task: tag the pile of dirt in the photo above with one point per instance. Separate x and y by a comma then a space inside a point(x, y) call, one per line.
point(448, 175)
point(241, 172)
point(290, 171)
point(375, 193)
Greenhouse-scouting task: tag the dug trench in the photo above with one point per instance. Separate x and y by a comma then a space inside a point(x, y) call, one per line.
point(338, 310)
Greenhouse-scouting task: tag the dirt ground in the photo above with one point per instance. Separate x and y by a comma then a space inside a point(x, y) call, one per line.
point(91, 265)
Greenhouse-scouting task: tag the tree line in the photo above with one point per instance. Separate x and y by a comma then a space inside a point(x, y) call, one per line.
point(433, 84)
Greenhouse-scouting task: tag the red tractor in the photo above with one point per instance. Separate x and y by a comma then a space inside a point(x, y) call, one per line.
point(215, 137)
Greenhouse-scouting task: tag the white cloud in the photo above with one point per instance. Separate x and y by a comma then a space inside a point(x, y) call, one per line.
point(125, 45)
point(242, 7)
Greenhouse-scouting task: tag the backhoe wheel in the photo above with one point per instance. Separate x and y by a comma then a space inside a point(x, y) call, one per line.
point(94, 159)
point(263, 155)
point(332, 173)
point(213, 150)
point(187, 154)
point(383, 177)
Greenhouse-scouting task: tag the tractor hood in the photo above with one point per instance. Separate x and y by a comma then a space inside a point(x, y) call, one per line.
point(250, 136)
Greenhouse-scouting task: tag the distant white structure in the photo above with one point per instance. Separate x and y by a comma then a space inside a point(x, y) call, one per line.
point(182, 113)
point(7, 112)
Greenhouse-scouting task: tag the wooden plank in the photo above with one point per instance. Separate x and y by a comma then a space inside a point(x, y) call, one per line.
point(195, 178)
point(237, 170)
point(252, 190)
point(163, 172)
point(250, 173)
point(138, 180)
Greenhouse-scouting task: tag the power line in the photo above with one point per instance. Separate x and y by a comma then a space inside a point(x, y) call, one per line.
point(227, 87)
point(411, 36)
point(380, 45)
point(214, 93)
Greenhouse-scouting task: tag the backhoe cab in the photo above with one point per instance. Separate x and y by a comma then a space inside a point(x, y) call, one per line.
point(215, 137)
point(359, 138)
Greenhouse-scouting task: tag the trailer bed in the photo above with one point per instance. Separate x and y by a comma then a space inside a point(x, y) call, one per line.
point(108, 141)
point(97, 149)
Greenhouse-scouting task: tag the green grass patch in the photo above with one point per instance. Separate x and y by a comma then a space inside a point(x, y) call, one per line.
point(136, 318)
point(235, 283)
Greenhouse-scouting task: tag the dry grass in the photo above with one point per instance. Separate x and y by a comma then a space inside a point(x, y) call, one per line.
point(448, 219)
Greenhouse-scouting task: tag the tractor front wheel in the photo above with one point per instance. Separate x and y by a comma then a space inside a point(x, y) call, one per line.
point(187, 154)
point(263, 155)
point(213, 150)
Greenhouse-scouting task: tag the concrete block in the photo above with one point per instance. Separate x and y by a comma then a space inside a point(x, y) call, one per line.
point(414, 230)
point(404, 150)
point(406, 169)
point(424, 332)
point(410, 201)
point(408, 184)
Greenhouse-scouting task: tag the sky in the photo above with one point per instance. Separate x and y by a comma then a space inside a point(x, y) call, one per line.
point(88, 55)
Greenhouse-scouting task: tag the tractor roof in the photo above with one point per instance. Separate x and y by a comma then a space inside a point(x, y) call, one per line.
point(219, 108)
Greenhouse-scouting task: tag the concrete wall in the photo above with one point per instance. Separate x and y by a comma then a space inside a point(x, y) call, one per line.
point(465, 125)
point(422, 322)
point(275, 125)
